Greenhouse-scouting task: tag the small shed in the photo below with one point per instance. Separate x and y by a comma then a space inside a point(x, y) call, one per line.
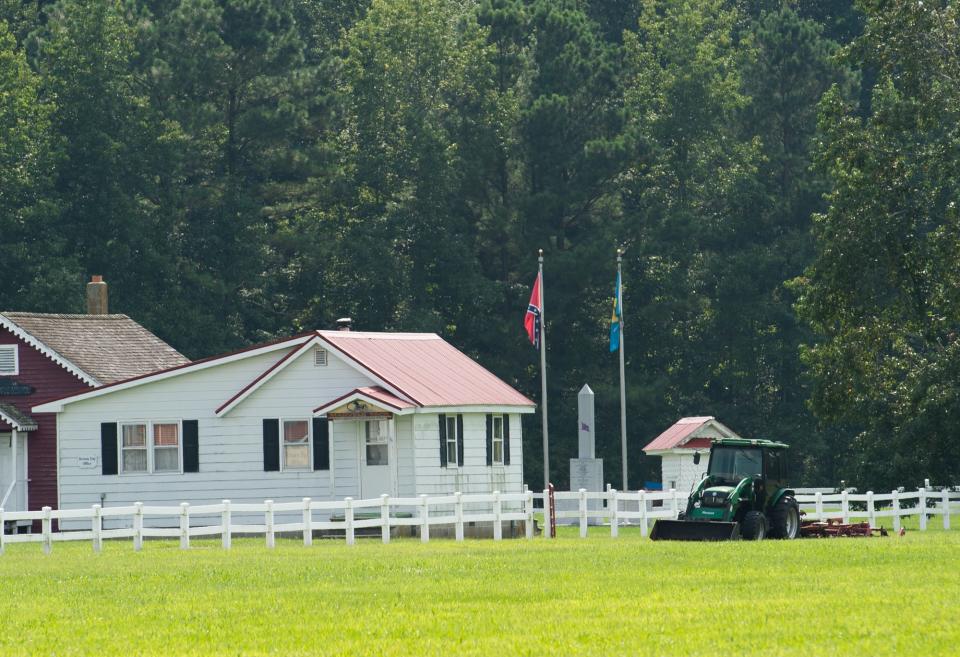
point(677, 445)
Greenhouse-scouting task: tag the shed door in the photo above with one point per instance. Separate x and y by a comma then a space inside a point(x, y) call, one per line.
point(376, 458)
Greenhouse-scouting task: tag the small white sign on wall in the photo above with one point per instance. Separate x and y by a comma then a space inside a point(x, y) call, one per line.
point(87, 462)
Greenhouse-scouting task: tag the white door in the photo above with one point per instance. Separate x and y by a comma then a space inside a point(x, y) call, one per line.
point(376, 455)
point(18, 499)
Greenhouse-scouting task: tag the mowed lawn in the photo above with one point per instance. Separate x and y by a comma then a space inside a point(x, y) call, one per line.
point(598, 596)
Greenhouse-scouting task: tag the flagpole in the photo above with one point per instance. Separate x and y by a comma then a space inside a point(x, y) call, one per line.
point(543, 379)
point(623, 393)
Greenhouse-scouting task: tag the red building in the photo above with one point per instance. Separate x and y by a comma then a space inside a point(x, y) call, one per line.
point(43, 356)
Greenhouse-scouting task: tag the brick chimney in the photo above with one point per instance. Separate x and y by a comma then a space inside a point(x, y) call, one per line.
point(97, 296)
point(344, 324)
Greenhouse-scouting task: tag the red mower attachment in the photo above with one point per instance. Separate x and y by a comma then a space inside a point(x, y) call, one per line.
point(833, 527)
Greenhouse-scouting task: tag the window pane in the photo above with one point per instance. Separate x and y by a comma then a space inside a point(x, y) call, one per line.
point(498, 451)
point(296, 457)
point(498, 427)
point(134, 435)
point(451, 453)
point(451, 428)
point(166, 435)
point(295, 431)
point(166, 459)
point(377, 454)
point(134, 460)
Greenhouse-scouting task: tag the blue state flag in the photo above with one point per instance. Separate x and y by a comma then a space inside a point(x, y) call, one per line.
point(615, 317)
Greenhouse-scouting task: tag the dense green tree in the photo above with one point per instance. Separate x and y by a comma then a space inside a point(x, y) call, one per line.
point(882, 291)
point(35, 259)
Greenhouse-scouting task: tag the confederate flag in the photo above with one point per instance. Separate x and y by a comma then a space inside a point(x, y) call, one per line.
point(532, 319)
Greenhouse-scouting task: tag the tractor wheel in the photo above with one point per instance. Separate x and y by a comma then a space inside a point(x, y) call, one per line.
point(785, 518)
point(754, 526)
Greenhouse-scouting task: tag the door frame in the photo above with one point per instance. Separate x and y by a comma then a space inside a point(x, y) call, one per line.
point(391, 454)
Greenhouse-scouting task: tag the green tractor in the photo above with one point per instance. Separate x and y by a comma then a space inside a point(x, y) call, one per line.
point(743, 495)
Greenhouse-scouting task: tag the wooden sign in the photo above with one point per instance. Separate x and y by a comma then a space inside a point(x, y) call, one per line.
point(358, 415)
point(11, 388)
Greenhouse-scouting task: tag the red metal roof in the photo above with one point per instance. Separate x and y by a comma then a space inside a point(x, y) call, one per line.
point(678, 433)
point(376, 393)
point(425, 368)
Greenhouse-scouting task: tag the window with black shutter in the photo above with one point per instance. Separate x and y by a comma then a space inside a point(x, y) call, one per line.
point(271, 445)
point(321, 443)
point(108, 448)
point(191, 446)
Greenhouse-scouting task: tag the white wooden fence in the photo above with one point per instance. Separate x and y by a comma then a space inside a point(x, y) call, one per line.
point(457, 510)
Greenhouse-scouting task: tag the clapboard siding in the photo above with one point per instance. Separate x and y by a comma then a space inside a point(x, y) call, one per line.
point(406, 462)
point(475, 476)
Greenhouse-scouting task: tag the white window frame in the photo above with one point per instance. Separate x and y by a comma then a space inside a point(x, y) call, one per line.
point(120, 448)
point(494, 441)
point(153, 446)
point(151, 461)
point(283, 451)
point(16, 358)
point(452, 440)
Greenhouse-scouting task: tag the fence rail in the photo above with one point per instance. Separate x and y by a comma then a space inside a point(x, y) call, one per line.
point(618, 509)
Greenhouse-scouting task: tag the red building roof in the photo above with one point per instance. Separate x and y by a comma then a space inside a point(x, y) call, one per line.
point(679, 435)
point(425, 368)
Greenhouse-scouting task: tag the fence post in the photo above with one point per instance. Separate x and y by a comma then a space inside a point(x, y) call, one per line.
point(348, 518)
point(2, 533)
point(546, 513)
point(583, 512)
point(226, 519)
point(424, 519)
point(184, 525)
point(385, 517)
point(497, 516)
point(45, 529)
point(307, 523)
point(528, 512)
point(642, 507)
point(923, 509)
point(458, 516)
point(871, 510)
point(674, 506)
point(137, 526)
point(818, 501)
point(896, 511)
point(612, 505)
point(946, 508)
point(96, 523)
point(845, 506)
point(268, 521)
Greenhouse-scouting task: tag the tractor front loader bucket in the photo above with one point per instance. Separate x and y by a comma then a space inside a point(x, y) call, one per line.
point(694, 530)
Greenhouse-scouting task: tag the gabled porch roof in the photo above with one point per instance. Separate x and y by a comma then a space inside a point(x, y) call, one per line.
point(373, 395)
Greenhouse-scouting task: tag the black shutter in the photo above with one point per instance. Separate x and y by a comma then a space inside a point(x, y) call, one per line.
point(321, 443)
point(489, 439)
point(443, 440)
point(191, 446)
point(460, 440)
point(506, 439)
point(108, 448)
point(271, 445)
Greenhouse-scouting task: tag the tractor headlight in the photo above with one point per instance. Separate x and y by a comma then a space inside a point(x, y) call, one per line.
point(696, 505)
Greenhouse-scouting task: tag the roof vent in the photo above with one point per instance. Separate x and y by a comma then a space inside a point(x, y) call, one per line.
point(320, 357)
point(344, 324)
point(97, 296)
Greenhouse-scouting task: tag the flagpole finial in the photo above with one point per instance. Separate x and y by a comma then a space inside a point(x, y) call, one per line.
point(540, 259)
point(619, 254)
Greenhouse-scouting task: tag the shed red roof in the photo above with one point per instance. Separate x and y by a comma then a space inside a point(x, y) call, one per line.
point(425, 368)
point(678, 433)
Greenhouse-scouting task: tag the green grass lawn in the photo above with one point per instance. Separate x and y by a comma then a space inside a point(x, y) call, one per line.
point(599, 596)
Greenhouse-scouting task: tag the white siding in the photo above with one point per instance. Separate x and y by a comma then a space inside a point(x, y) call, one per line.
point(475, 476)
point(407, 484)
point(679, 468)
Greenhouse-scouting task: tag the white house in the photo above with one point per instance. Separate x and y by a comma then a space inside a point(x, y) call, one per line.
point(326, 415)
point(677, 445)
